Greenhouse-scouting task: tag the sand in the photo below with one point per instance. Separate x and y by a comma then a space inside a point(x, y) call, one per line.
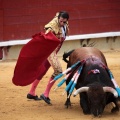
point(15, 106)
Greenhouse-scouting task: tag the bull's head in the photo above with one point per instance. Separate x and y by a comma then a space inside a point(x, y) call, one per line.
point(96, 97)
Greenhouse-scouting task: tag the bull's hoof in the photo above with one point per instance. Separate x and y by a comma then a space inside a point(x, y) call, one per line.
point(115, 109)
point(67, 104)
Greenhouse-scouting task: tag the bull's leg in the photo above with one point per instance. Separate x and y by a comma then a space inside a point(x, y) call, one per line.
point(68, 103)
point(116, 108)
point(84, 103)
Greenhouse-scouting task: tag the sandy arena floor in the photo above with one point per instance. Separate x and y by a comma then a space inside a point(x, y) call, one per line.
point(15, 106)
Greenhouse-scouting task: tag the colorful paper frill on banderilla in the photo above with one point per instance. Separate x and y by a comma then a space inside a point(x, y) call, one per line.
point(76, 68)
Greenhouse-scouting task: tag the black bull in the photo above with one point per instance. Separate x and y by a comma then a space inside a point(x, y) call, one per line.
point(96, 90)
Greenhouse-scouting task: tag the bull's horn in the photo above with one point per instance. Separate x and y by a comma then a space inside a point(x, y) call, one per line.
point(111, 90)
point(82, 89)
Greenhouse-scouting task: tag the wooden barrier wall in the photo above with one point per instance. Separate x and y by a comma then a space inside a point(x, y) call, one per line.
point(20, 19)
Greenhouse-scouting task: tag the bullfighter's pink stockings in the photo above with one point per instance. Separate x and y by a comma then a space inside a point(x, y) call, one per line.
point(48, 88)
point(33, 87)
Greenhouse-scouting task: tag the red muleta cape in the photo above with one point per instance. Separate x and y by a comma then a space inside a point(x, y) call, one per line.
point(31, 57)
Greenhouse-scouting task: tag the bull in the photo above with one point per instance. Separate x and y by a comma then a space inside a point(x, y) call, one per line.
point(95, 90)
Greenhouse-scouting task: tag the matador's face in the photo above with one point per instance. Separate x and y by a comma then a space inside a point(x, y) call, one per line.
point(62, 21)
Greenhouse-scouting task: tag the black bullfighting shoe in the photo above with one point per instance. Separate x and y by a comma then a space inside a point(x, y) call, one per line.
point(46, 99)
point(29, 96)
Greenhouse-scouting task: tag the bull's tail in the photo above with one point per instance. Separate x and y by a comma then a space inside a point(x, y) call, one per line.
point(65, 55)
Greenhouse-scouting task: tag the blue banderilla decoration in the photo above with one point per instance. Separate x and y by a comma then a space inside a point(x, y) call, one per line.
point(72, 85)
point(114, 82)
point(66, 71)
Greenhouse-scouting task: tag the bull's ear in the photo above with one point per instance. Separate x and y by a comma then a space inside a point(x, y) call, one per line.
point(111, 90)
point(82, 89)
point(65, 57)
